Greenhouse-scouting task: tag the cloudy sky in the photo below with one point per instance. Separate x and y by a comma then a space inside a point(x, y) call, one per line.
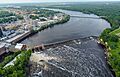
point(27, 1)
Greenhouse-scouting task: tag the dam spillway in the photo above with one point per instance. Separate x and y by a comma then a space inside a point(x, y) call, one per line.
point(77, 58)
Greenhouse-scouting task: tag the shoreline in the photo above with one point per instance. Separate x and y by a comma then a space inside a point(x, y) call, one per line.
point(106, 55)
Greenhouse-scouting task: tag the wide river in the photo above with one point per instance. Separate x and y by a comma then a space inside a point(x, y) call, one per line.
point(74, 28)
point(78, 58)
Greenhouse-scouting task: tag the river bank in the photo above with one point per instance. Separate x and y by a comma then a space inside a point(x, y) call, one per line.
point(106, 49)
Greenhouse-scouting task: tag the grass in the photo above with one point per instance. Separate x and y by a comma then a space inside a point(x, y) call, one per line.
point(114, 57)
point(115, 32)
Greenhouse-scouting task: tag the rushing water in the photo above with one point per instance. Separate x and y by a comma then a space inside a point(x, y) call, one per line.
point(75, 28)
point(78, 58)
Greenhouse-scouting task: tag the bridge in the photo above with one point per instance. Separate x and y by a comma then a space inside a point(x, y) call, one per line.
point(76, 16)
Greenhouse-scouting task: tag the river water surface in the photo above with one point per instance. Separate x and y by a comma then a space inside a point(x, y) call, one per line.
point(74, 28)
point(78, 58)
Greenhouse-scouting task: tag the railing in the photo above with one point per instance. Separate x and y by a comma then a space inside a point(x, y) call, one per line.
point(86, 17)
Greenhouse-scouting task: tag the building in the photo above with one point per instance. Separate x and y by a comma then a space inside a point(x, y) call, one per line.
point(20, 47)
point(3, 48)
point(43, 18)
point(55, 18)
point(18, 37)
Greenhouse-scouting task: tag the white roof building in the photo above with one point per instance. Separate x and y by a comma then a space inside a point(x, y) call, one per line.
point(20, 46)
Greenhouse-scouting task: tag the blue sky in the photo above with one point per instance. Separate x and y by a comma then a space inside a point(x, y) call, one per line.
point(27, 1)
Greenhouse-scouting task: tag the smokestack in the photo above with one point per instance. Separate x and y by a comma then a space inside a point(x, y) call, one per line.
point(1, 31)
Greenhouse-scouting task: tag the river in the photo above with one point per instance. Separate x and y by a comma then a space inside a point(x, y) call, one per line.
point(74, 28)
point(77, 58)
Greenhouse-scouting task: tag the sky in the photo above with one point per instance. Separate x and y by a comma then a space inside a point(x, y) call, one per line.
point(35, 1)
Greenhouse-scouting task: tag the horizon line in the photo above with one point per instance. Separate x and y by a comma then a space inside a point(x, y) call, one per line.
point(58, 2)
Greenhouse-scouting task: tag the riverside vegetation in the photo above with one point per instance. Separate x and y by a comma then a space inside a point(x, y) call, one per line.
point(109, 11)
point(20, 65)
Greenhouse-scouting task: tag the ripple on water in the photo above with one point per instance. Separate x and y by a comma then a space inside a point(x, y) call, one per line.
point(76, 60)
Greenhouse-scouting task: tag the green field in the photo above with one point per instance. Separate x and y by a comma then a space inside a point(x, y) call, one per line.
point(115, 32)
